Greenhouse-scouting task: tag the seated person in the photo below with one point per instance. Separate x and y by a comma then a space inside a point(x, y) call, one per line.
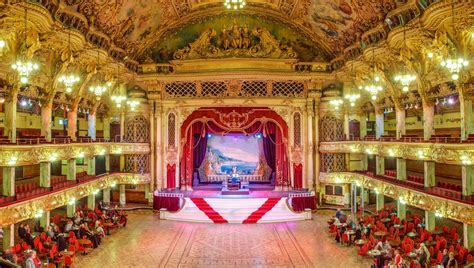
point(68, 226)
point(94, 238)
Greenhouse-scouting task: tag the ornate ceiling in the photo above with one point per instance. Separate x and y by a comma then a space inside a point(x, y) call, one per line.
point(141, 26)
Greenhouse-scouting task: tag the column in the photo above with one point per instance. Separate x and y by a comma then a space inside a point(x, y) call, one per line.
point(428, 121)
point(468, 235)
point(380, 201)
point(10, 116)
point(346, 190)
point(362, 125)
point(401, 169)
point(147, 193)
point(106, 195)
point(466, 116)
point(401, 210)
point(400, 119)
point(467, 180)
point(71, 169)
point(91, 126)
point(353, 198)
point(310, 127)
point(45, 219)
point(362, 200)
point(107, 163)
point(346, 125)
point(91, 201)
point(365, 162)
point(91, 165)
point(122, 125)
point(160, 176)
point(379, 122)
point(122, 197)
point(152, 144)
point(317, 159)
point(45, 174)
point(8, 181)
point(122, 163)
point(72, 123)
point(71, 209)
point(379, 165)
point(429, 174)
point(8, 236)
point(46, 112)
point(430, 220)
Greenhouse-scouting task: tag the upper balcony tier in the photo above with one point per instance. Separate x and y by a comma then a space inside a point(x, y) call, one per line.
point(448, 153)
point(29, 154)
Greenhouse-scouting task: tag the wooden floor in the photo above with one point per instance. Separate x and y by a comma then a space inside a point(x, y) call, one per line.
point(149, 242)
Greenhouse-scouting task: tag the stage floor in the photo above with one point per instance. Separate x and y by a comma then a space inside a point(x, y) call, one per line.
point(218, 194)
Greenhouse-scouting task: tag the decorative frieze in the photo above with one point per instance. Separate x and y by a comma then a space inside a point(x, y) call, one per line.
point(444, 207)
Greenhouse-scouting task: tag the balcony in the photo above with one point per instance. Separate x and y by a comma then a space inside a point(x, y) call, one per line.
point(24, 206)
point(412, 193)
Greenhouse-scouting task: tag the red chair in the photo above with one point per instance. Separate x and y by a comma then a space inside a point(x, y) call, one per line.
point(345, 238)
point(68, 261)
point(363, 250)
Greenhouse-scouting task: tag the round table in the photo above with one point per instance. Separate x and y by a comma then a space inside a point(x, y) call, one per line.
point(411, 234)
point(437, 232)
point(380, 233)
point(385, 220)
point(84, 242)
point(374, 253)
point(394, 243)
point(360, 242)
point(67, 253)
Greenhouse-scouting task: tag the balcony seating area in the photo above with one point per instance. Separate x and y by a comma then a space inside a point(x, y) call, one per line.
point(59, 182)
point(29, 190)
point(439, 138)
point(416, 179)
point(82, 176)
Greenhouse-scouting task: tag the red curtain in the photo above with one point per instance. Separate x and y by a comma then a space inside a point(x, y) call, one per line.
point(298, 175)
point(170, 176)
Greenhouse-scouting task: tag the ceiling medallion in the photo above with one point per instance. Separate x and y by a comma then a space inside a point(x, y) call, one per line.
point(234, 4)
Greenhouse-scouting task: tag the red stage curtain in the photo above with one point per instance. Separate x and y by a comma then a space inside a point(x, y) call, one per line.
point(170, 176)
point(298, 175)
point(301, 203)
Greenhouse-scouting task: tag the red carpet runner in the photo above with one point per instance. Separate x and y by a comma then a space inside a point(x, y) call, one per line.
point(258, 214)
point(208, 210)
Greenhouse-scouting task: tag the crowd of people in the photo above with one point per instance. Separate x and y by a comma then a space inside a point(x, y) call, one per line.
point(59, 241)
point(399, 243)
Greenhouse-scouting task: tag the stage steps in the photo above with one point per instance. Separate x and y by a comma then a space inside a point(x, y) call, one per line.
point(235, 210)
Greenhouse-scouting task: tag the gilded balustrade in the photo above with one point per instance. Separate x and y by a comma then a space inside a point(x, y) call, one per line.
point(30, 208)
point(458, 211)
point(447, 153)
point(16, 155)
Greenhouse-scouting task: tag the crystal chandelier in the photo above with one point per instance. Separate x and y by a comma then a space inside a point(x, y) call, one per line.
point(352, 98)
point(234, 4)
point(25, 67)
point(98, 90)
point(336, 103)
point(405, 78)
point(133, 104)
point(69, 81)
point(374, 86)
point(118, 99)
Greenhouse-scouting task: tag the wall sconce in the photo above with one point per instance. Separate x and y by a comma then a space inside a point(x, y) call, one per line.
point(113, 184)
point(39, 213)
point(12, 161)
point(72, 201)
point(421, 154)
point(102, 152)
point(80, 155)
point(391, 152)
point(53, 157)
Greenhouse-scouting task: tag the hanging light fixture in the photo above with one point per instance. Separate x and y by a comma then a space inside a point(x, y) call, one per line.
point(133, 104)
point(336, 103)
point(374, 86)
point(234, 4)
point(405, 78)
point(352, 97)
point(23, 66)
point(456, 64)
point(117, 97)
point(69, 79)
point(99, 89)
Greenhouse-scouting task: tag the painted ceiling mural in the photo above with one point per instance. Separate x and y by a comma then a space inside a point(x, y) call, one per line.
point(138, 25)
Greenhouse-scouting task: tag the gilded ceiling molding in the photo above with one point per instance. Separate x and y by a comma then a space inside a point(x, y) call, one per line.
point(28, 209)
point(34, 154)
point(441, 153)
point(447, 208)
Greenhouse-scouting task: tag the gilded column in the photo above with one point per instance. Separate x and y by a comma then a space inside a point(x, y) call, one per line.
point(465, 102)
point(46, 112)
point(317, 99)
point(310, 161)
point(152, 144)
point(379, 122)
point(400, 118)
point(428, 120)
point(160, 174)
point(10, 116)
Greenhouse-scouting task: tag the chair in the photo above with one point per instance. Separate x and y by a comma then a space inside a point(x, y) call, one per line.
point(345, 239)
point(363, 250)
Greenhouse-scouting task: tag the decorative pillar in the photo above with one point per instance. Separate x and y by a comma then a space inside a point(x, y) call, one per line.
point(346, 125)
point(468, 235)
point(362, 125)
point(10, 117)
point(45, 174)
point(45, 219)
point(347, 194)
point(379, 165)
point(106, 195)
point(106, 123)
point(353, 199)
point(317, 158)
point(429, 174)
point(91, 165)
point(401, 210)
point(467, 180)
point(8, 181)
point(8, 236)
point(72, 123)
point(122, 125)
point(401, 169)
point(122, 163)
point(400, 119)
point(46, 112)
point(160, 176)
point(362, 200)
point(365, 162)
point(91, 201)
point(430, 220)
point(107, 163)
point(148, 195)
point(91, 126)
point(152, 143)
point(310, 161)
point(71, 169)
point(379, 122)
point(122, 197)
point(380, 201)
point(466, 116)
point(70, 209)
point(428, 120)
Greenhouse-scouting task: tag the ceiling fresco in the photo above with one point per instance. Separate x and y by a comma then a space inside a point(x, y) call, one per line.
point(141, 26)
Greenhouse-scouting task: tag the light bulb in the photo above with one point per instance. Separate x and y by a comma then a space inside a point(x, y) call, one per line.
point(455, 76)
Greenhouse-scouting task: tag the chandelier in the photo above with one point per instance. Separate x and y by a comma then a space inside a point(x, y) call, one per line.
point(69, 81)
point(352, 98)
point(133, 104)
point(405, 78)
point(374, 86)
point(25, 67)
point(234, 4)
point(98, 90)
point(336, 103)
point(118, 99)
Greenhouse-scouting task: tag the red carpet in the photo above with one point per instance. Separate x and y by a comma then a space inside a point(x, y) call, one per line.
point(258, 214)
point(208, 210)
